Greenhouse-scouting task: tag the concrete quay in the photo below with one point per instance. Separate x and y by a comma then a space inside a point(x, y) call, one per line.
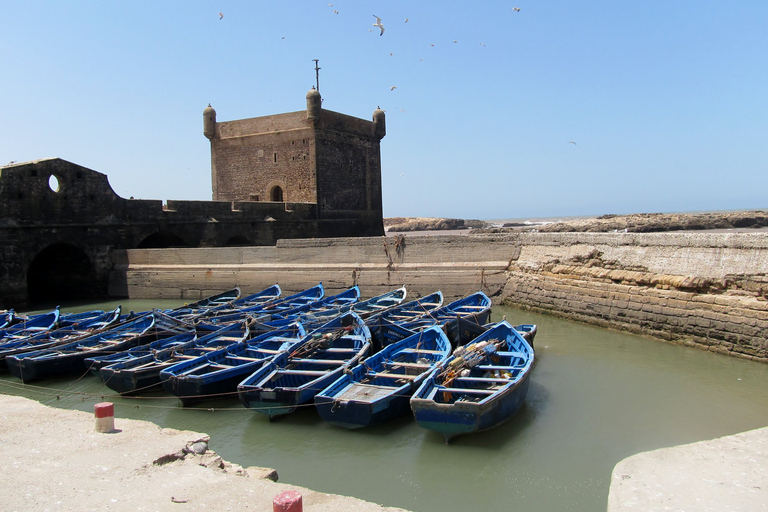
point(728, 473)
point(54, 459)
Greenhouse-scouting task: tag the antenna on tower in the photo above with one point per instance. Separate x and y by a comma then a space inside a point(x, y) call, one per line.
point(317, 76)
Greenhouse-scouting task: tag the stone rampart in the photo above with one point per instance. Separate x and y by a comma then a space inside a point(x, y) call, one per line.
point(699, 289)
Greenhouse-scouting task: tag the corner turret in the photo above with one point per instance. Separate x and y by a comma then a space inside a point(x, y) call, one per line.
point(314, 102)
point(379, 123)
point(209, 122)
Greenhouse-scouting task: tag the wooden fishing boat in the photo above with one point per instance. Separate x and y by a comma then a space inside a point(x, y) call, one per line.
point(480, 386)
point(329, 306)
point(379, 389)
point(68, 332)
point(95, 363)
point(292, 302)
point(460, 320)
point(192, 311)
point(217, 373)
point(31, 326)
point(528, 331)
point(316, 317)
point(221, 306)
point(265, 296)
point(8, 318)
point(68, 358)
point(142, 373)
point(341, 301)
point(403, 312)
point(293, 378)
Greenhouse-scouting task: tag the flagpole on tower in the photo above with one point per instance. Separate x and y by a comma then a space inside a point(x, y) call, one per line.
point(317, 76)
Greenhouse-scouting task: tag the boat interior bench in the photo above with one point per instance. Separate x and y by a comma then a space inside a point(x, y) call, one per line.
point(390, 375)
point(493, 367)
point(302, 372)
point(421, 351)
point(403, 364)
point(468, 391)
point(318, 361)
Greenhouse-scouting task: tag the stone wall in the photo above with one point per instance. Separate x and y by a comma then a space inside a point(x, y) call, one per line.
point(706, 290)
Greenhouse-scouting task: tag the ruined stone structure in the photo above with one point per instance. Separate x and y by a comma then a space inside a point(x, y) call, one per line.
point(60, 223)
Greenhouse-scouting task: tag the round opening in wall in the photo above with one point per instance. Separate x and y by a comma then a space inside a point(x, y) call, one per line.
point(53, 182)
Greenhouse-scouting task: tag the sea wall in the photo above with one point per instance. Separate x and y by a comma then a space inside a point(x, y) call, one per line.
point(706, 290)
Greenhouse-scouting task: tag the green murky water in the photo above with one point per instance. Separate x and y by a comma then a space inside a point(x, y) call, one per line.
point(596, 397)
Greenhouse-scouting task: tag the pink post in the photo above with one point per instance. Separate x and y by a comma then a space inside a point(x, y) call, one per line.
point(287, 501)
point(105, 417)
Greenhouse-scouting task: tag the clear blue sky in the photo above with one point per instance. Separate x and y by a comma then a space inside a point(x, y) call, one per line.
point(667, 101)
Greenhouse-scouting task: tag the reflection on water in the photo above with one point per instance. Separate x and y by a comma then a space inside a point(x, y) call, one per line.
point(596, 397)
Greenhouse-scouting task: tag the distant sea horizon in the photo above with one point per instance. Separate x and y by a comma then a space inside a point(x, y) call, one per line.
point(537, 221)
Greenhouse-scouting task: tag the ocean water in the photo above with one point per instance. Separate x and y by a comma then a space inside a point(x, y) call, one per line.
point(596, 397)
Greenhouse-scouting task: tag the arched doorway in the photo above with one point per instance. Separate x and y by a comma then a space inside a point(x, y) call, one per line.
point(162, 240)
point(62, 272)
point(276, 194)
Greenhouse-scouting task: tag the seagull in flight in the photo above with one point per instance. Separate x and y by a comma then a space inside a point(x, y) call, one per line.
point(393, 88)
point(378, 24)
point(516, 9)
point(221, 15)
point(571, 142)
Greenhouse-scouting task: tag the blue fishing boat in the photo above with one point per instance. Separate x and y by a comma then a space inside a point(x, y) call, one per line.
point(401, 313)
point(342, 301)
point(293, 378)
point(482, 385)
point(329, 306)
point(462, 321)
point(141, 373)
point(316, 317)
point(31, 326)
point(217, 373)
point(68, 332)
point(68, 358)
point(379, 389)
point(266, 296)
point(263, 311)
point(218, 305)
point(194, 310)
point(528, 331)
point(178, 340)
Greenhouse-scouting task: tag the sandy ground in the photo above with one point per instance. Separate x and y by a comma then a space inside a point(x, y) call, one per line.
point(53, 459)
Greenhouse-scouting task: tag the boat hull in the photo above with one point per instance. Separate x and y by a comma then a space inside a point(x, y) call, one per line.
point(453, 420)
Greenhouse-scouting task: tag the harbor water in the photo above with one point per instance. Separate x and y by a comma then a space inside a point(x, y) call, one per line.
point(596, 397)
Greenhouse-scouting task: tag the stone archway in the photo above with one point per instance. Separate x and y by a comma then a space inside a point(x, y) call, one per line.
point(276, 194)
point(62, 272)
point(162, 240)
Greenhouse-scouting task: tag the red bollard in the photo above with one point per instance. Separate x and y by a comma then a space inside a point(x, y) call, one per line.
point(287, 501)
point(105, 417)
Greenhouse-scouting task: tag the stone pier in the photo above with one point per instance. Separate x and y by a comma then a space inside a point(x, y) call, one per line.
point(706, 290)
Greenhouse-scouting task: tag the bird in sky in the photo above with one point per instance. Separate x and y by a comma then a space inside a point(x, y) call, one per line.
point(221, 15)
point(571, 142)
point(455, 41)
point(516, 9)
point(393, 88)
point(335, 11)
point(406, 20)
point(482, 44)
point(378, 24)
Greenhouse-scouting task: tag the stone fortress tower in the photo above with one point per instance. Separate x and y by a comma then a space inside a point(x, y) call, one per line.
point(311, 156)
